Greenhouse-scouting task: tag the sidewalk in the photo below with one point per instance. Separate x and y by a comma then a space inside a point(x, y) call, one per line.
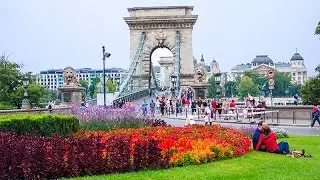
point(270, 121)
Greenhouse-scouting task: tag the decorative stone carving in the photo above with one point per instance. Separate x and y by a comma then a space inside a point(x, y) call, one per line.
point(71, 90)
point(70, 78)
point(160, 37)
point(200, 75)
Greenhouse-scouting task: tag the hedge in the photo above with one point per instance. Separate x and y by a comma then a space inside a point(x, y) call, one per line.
point(41, 124)
point(30, 157)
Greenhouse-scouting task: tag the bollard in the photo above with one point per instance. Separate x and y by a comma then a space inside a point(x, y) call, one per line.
point(293, 116)
point(237, 114)
point(215, 114)
point(176, 111)
point(186, 112)
point(198, 113)
point(278, 121)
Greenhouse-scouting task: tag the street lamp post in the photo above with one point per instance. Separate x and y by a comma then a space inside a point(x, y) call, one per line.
point(25, 102)
point(217, 78)
point(104, 56)
point(173, 81)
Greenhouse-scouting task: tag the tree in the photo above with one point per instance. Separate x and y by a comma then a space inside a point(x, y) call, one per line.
point(93, 88)
point(10, 76)
point(11, 91)
point(246, 87)
point(231, 88)
point(318, 68)
point(282, 84)
point(112, 86)
point(293, 90)
point(257, 78)
point(85, 85)
point(317, 31)
point(212, 88)
point(310, 91)
point(36, 95)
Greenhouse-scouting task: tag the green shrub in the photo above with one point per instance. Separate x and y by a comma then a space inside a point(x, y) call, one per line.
point(40, 124)
point(5, 106)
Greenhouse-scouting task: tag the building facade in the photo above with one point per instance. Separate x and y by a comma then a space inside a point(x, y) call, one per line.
point(262, 64)
point(53, 79)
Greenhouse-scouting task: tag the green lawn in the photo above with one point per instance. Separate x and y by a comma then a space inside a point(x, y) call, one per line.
point(256, 165)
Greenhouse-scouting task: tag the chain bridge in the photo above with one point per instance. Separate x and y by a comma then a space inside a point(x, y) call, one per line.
point(159, 27)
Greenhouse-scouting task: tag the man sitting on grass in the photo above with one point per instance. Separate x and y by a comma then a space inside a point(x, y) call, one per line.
point(256, 135)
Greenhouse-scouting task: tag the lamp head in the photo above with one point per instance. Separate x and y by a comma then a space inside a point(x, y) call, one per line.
point(107, 55)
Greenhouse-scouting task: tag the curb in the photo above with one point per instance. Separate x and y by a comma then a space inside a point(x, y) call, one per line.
point(239, 122)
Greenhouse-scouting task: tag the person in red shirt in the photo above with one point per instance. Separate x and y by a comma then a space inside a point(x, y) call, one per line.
point(232, 107)
point(269, 139)
point(214, 105)
point(315, 115)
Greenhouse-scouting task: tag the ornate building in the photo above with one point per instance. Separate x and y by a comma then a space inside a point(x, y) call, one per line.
point(262, 64)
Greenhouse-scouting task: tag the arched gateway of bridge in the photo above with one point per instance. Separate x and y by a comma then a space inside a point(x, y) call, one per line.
point(160, 27)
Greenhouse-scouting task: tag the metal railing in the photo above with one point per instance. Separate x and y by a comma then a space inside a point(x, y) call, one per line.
point(133, 96)
point(253, 114)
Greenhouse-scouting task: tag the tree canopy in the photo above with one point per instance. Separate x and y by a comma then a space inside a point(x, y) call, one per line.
point(282, 84)
point(93, 87)
point(246, 87)
point(231, 88)
point(317, 31)
point(112, 86)
point(310, 91)
point(12, 91)
point(212, 88)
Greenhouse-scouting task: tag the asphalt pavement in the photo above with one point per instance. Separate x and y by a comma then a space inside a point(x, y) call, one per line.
point(292, 129)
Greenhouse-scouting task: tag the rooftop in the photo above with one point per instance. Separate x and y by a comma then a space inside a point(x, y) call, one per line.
point(296, 57)
point(160, 7)
point(262, 59)
point(283, 65)
point(84, 70)
point(242, 66)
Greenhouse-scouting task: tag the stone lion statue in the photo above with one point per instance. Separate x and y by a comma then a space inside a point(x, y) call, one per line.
point(200, 75)
point(70, 78)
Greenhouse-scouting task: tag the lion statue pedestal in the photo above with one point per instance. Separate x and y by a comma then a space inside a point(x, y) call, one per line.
point(200, 85)
point(71, 90)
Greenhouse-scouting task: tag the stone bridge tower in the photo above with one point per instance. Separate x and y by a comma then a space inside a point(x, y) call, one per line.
point(162, 27)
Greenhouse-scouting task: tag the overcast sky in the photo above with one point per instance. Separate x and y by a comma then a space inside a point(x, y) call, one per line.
point(47, 34)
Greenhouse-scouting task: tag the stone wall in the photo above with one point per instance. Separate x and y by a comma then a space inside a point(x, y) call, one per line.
point(293, 112)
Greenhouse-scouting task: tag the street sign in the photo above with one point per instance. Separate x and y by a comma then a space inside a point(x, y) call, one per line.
point(271, 82)
point(270, 74)
point(271, 87)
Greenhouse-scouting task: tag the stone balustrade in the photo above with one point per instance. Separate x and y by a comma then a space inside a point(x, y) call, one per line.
point(293, 112)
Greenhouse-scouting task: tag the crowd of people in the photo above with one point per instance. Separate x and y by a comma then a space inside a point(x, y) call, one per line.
point(209, 109)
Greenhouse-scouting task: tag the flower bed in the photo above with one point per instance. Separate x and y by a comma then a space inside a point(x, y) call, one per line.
point(106, 119)
point(188, 145)
point(89, 153)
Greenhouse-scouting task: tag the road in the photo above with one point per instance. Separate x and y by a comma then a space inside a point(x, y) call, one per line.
point(299, 128)
point(292, 130)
